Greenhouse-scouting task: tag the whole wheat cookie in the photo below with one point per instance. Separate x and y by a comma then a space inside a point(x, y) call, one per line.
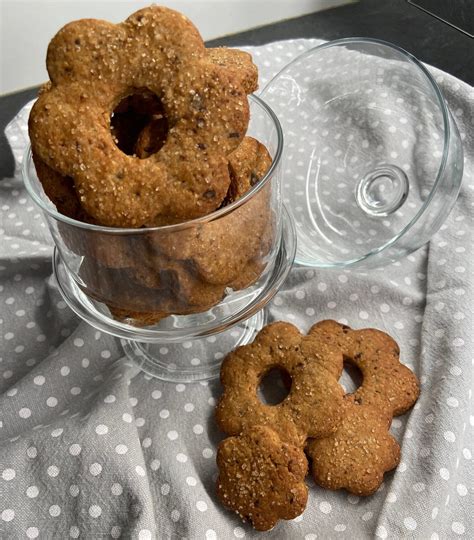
point(239, 63)
point(184, 285)
point(93, 65)
point(153, 135)
point(180, 279)
point(261, 477)
point(153, 271)
point(314, 405)
point(358, 454)
point(139, 300)
point(361, 450)
point(248, 164)
point(137, 318)
point(109, 250)
point(139, 127)
point(128, 301)
point(147, 267)
point(142, 287)
point(60, 190)
point(151, 138)
point(220, 248)
point(387, 384)
point(97, 247)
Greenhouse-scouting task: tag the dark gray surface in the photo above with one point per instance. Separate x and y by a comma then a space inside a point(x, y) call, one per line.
point(396, 21)
point(459, 14)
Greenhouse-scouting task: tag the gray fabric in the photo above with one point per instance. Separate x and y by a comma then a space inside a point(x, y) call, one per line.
point(92, 448)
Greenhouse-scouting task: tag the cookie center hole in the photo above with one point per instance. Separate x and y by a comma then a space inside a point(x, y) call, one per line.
point(138, 124)
point(351, 378)
point(274, 387)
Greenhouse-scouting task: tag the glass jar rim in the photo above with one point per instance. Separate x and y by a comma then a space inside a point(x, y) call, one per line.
point(52, 212)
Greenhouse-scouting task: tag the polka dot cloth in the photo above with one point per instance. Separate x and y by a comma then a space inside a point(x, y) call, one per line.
point(91, 448)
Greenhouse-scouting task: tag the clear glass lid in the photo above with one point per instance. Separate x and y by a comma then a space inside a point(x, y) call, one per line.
point(367, 136)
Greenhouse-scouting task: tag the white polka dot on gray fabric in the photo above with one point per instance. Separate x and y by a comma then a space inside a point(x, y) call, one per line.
point(8, 514)
point(95, 511)
point(117, 489)
point(32, 492)
point(8, 474)
point(201, 506)
point(101, 429)
point(121, 449)
point(32, 532)
point(54, 510)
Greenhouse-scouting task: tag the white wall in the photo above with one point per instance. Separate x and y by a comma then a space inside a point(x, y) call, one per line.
point(26, 26)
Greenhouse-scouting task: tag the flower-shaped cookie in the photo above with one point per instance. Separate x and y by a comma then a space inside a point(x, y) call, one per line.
point(314, 406)
point(358, 454)
point(261, 478)
point(93, 65)
point(387, 384)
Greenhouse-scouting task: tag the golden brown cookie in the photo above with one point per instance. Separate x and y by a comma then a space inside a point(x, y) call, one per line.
point(113, 251)
point(313, 407)
point(105, 249)
point(137, 318)
point(146, 302)
point(184, 284)
point(239, 63)
point(179, 279)
point(93, 65)
point(139, 127)
point(148, 286)
point(220, 248)
point(247, 165)
point(127, 300)
point(358, 454)
point(130, 252)
point(387, 384)
point(60, 189)
point(153, 135)
point(261, 478)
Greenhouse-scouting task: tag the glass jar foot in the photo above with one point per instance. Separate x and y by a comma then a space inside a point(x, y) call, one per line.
point(192, 360)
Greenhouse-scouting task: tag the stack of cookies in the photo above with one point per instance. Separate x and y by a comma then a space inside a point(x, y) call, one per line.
point(345, 437)
point(140, 127)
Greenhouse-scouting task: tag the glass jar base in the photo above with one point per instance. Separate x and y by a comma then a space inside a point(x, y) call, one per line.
point(192, 360)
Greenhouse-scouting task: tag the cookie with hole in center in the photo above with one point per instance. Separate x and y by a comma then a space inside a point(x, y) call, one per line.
point(92, 66)
point(314, 405)
point(387, 384)
point(261, 477)
point(358, 454)
point(139, 127)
